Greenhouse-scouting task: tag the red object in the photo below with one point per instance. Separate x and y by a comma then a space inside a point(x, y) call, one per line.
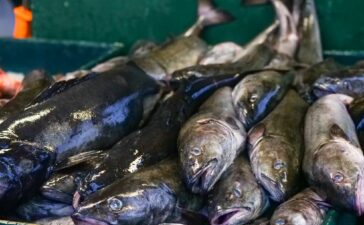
point(9, 86)
point(23, 22)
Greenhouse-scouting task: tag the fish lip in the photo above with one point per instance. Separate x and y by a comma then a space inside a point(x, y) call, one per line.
point(62, 196)
point(231, 213)
point(359, 200)
point(77, 197)
point(202, 175)
point(274, 195)
point(83, 220)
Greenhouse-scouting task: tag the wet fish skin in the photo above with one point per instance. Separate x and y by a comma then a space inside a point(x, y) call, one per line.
point(67, 124)
point(149, 196)
point(257, 94)
point(330, 137)
point(276, 150)
point(356, 110)
point(185, 50)
point(305, 208)
point(55, 221)
point(349, 82)
point(237, 198)
point(225, 52)
point(38, 208)
point(209, 141)
point(34, 83)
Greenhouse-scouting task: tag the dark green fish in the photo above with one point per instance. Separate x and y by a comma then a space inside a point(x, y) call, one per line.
point(33, 84)
point(237, 198)
point(276, 150)
point(333, 161)
point(39, 207)
point(185, 50)
point(305, 208)
point(150, 196)
point(209, 141)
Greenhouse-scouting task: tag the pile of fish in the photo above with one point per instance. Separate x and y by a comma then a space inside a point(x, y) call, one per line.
point(186, 133)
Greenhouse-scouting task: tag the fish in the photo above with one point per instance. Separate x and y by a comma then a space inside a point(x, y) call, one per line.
point(209, 142)
point(55, 221)
point(33, 84)
point(333, 161)
point(38, 207)
point(276, 150)
point(310, 47)
point(92, 112)
point(156, 140)
point(356, 110)
point(257, 94)
point(150, 196)
point(225, 52)
point(184, 50)
point(305, 208)
point(348, 82)
point(237, 198)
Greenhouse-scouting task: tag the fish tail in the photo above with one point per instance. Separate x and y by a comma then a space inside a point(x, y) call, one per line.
point(208, 15)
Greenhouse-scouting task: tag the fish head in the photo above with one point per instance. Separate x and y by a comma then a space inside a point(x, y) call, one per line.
point(103, 209)
point(340, 178)
point(203, 157)
point(60, 187)
point(275, 167)
point(331, 85)
point(23, 168)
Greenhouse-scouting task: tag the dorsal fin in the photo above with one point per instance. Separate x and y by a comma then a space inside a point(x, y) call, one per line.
point(61, 86)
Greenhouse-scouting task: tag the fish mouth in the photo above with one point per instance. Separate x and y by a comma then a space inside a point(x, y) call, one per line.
point(203, 180)
point(273, 188)
point(229, 217)
point(359, 198)
point(56, 195)
point(79, 219)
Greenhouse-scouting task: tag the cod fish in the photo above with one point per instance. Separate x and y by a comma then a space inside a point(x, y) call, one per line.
point(55, 221)
point(33, 84)
point(226, 52)
point(209, 141)
point(257, 94)
point(185, 50)
point(158, 138)
point(39, 208)
point(150, 196)
point(237, 198)
point(305, 208)
point(92, 112)
point(276, 150)
point(356, 110)
point(333, 161)
point(349, 82)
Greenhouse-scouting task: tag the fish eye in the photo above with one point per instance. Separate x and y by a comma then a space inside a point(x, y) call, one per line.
point(278, 164)
point(253, 98)
point(115, 204)
point(280, 221)
point(196, 151)
point(337, 178)
point(236, 190)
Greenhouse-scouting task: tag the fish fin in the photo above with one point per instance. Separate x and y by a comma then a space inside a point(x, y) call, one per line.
point(211, 15)
point(256, 133)
point(336, 131)
point(61, 86)
point(78, 159)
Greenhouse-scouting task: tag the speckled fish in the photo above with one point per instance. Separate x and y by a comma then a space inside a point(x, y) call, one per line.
point(349, 82)
point(150, 196)
point(310, 48)
point(237, 198)
point(356, 110)
point(33, 84)
point(55, 221)
point(39, 207)
point(333, 161)
point(257, 94)
point(209, 142)
point(305, 208)
point(67, 123)
point(158, 138)
point(185, 50)
point(276, 150)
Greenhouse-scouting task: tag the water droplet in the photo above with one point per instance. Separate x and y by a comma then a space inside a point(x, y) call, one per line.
point(279, 164)
point(338, 177)
point(115, 204)
point(280, 221)
point(196, 151)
